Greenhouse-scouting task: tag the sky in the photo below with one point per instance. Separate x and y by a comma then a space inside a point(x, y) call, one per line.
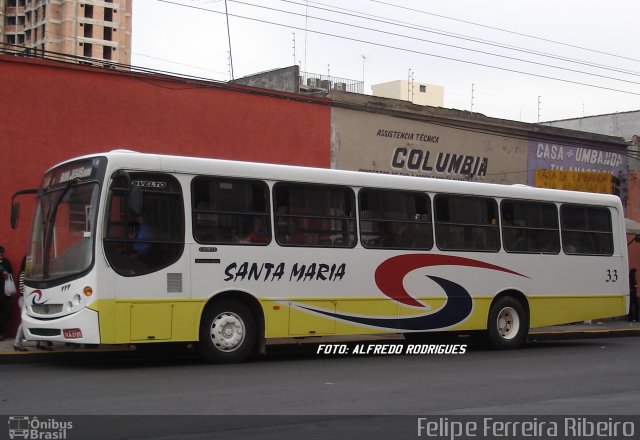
point(520, 60)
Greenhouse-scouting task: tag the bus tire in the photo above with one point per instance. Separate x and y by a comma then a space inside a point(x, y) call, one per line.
point(227, 332)
point(508, 323)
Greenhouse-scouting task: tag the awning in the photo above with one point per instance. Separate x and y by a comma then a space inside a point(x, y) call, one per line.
point(632, 226)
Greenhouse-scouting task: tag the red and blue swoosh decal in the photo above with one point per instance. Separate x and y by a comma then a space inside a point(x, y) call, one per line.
point(36, 297)
point(389, 278)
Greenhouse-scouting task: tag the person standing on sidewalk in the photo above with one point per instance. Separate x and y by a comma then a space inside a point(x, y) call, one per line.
point(633, 296)
point(18, 343)
point(5, 301)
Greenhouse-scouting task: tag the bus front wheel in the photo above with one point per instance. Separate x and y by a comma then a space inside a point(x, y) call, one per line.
point(227, 332)
point(508, 323)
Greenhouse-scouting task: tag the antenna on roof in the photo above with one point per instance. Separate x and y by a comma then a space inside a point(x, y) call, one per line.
point(472, 96)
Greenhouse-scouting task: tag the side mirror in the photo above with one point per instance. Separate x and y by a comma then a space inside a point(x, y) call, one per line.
point(15, 207)
point(15, 215)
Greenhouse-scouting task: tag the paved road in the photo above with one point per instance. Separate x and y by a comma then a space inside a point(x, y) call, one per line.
point(596, 376)
point(355, 396)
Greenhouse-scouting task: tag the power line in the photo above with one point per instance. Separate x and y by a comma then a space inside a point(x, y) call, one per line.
point(506, 30)
point(387, 46)
point(441, 44)
point(465, 37)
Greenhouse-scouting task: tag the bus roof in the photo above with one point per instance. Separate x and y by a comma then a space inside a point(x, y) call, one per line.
point(130, 160)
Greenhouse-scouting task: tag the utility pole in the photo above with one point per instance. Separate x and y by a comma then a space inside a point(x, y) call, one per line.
point(363, 60)
point(306, 26)
point(226, 11)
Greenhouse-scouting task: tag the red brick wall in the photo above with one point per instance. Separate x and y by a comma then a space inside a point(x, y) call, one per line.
point(53, 111)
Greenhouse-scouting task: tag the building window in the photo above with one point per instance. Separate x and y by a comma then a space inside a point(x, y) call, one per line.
point(88, 31)
point(106, 52)
point(108, 33)
point(88, 11)
point(108, 14)
point(423, 89)
point(88, 50)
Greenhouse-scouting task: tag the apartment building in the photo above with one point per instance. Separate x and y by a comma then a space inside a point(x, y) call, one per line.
point(99, 29)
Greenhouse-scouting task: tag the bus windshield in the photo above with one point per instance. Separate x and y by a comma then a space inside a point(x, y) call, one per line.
point(62, 233)
point(63, 228)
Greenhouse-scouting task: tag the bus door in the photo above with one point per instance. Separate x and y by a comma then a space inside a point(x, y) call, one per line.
point(144, 245)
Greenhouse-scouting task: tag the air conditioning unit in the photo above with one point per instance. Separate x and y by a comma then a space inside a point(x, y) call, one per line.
point(325, 84)
point(340, 86)
point(313, 82)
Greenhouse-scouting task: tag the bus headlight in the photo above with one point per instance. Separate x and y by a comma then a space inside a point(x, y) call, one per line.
point(75, 302)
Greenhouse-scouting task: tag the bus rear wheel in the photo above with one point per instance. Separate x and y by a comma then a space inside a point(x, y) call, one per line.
point(227, 332)
point(508, 323)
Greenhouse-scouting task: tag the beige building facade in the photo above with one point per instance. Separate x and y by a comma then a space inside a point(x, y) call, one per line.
point(99, 29)
point(419, 93)
point(381, 135)
point(406, 139)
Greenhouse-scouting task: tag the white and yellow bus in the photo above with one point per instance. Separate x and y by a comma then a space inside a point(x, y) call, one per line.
point(130, 248)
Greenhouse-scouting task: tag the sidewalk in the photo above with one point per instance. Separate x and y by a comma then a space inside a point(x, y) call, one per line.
point(595, 329)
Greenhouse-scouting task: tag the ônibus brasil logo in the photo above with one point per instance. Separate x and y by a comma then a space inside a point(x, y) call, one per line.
point(27, 427)
point(389, 278)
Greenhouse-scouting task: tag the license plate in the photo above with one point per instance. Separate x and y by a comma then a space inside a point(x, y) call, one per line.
point(72, 333)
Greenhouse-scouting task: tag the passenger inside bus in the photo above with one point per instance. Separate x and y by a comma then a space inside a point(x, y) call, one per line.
point(259, 234)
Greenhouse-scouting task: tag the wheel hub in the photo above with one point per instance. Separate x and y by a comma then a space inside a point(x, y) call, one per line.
point(227, 331)
point(508, 323)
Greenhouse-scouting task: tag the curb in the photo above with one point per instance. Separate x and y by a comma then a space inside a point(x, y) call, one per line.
point(582, 334)
point(281, 347)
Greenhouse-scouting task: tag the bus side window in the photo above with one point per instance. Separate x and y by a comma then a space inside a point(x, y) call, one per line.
point(391, 219)
point(230, 211)
point(586, 230)
point(466, 223)
point(530, 227)
point(138, 243)
point(314, 215)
